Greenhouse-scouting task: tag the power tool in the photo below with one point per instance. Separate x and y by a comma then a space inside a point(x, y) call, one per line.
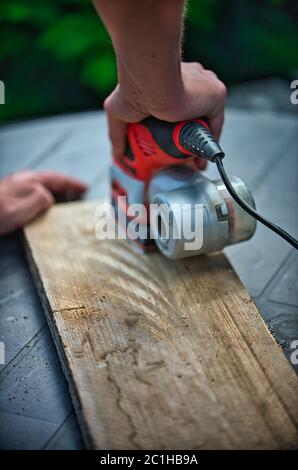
point(162, 167)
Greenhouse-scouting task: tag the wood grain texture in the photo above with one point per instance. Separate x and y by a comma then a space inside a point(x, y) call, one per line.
point(158, 354)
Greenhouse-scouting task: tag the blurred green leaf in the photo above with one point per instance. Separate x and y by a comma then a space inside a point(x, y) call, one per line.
point(56, 56)
point(100, 72)
point(202, 13)
point(74, 35)
point(17, 44)
point(15, 11)
point(31, 12)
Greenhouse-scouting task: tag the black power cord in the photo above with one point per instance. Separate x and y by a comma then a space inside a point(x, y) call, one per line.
point(197, 138)
point(282, 233)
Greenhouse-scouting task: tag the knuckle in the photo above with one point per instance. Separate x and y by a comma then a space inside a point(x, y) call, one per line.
point(30, 185)
point(38, 189)
point(210, 73)
point(221, 90)
point(4, 208)
point(197, 66)
point(112, 99)
point(8, 212)
point(106, 104)
point(42, 193)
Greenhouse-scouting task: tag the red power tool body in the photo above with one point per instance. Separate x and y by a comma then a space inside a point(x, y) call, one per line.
point(151, 146)
point(161, 166)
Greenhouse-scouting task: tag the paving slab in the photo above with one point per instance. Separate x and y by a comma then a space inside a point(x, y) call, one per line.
point(33, 386)
point(261, 148)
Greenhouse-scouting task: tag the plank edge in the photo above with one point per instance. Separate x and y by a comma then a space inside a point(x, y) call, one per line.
point(87, 438)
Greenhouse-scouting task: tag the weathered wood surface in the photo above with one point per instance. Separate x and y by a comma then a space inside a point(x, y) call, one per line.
point(159, 354)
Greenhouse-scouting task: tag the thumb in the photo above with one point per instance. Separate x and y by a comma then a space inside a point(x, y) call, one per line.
point(117, 134)
point(117, 127)
point(120, 111)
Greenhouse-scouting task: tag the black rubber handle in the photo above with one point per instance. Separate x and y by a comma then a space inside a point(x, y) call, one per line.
point(198, 140)
point(162, 132)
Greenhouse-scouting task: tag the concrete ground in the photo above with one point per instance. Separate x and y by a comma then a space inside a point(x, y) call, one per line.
point(261, 147)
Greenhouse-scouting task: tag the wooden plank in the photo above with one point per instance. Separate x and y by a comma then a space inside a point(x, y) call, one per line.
point(158, 354)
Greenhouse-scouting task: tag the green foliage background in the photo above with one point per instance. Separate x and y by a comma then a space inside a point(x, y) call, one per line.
point(56, 56)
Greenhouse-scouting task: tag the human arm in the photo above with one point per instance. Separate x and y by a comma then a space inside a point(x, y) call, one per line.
point(147, 36)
